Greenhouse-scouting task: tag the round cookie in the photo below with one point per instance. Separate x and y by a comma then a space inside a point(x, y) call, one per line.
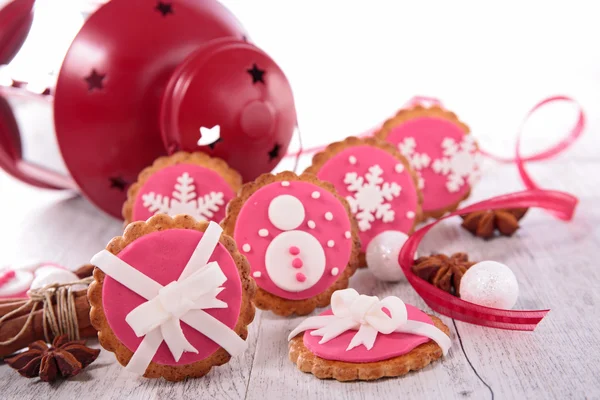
point(183, 183)
point(167, 275)
point(364, 338)
point(378, 183)
point(299, 237)
point(441, 150)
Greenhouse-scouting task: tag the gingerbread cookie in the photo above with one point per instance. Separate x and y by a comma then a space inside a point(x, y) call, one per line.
point(172, 297)
point(378, 183)
point(299, 237)
point(184, 183)
point(364, 338)
point(441, 150)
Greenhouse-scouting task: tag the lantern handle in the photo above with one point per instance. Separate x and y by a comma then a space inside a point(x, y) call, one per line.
point(11, 156)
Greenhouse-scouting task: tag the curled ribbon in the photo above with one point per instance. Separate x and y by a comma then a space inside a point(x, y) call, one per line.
point(352, 311)
point(560, 203)
point(159, 319)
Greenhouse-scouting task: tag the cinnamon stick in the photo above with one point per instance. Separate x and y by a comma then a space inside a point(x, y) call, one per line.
point(11, 327)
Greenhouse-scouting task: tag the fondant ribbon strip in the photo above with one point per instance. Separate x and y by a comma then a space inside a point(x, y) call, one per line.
point(159, 319)
point(352, 311)
point(560, 203)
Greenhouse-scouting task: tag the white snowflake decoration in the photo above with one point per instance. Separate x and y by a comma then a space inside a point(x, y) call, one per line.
point(371, 197)
point(418, 161)
point(459, 163)
point(184, 201)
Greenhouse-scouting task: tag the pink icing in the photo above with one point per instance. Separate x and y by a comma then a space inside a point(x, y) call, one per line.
point(254, 216)
point(428, 134)
point(385, 347)
point(163, 182)
point(336, 168)
point(162, 256)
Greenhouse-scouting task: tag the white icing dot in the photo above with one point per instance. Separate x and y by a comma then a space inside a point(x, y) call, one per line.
point(410, 214)
point(263, 233)
point(328, 216)
point(330, 243)
point(246, 247)
point(399, 168)
point(352, 160)
point(335, 271)
point(311, 224)
point(286, 212)
point(285, 183)
point(315, 195)
point(256, 274)
point(347, 234)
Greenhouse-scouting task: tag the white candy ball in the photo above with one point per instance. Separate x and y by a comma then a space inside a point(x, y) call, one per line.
point(382, 255)
point(490, 284)
point(49, 274)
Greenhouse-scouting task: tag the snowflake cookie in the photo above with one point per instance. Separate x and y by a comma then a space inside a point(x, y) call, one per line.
point(441, 150)
point(365, 338)
point(193, 184)
point(376, 180)
point(172, 297)
point(299, 237)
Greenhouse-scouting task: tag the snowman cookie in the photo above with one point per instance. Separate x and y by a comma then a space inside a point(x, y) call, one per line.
point(17, 280)
point(194, 184)
point(299, 237)
point(441, 150)
point(365, 338)
point(378, 183)
point(172, 297)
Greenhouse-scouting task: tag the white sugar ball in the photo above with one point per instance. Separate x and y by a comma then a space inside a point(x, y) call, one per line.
point(382, 255)
point(490, 284)
point(49, 274)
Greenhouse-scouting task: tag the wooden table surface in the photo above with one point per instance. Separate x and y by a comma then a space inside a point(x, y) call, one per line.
point(556, 263)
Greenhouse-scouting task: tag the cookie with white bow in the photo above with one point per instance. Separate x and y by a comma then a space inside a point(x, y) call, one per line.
point(365, 338)
point(300, 238)
point(172, 297)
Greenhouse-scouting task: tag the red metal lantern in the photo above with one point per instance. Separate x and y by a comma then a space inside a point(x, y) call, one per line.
point(144, 78)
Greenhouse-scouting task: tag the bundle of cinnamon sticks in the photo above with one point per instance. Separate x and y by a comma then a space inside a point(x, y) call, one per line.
point(11, 327)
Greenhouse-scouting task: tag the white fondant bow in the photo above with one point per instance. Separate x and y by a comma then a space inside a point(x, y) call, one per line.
point(353, 311)
point(184, 300)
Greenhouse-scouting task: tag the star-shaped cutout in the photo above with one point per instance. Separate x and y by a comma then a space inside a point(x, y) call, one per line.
point(164, 8)
point(95, 80)
point(256, 73)
point(274, 153)
point(117, 182)
point(212, 145)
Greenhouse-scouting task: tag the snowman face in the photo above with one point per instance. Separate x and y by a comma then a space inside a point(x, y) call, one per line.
point(296, 236)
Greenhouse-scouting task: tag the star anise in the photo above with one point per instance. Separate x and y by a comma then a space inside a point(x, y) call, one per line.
point(442, 271)
point(485, 223)
point(64, 358)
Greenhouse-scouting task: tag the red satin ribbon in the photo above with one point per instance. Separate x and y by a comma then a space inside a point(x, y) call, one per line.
point(560, 203)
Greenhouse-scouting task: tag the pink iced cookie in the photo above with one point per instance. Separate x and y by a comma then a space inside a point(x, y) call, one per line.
point(193, 184)
point(442, 152)
point(385, 347)
point(162, 256)
point(364, 337)
point(298, 237)
point(376, 180)
point(172, 297)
